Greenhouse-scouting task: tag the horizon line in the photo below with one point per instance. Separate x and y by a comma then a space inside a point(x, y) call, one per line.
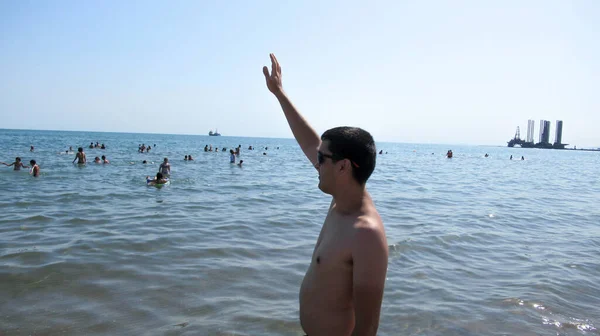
point(245, 136)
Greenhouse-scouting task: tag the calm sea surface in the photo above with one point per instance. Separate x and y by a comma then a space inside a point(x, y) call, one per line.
point(478, 246)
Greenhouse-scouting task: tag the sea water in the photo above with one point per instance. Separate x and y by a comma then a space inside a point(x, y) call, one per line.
point(478, 246)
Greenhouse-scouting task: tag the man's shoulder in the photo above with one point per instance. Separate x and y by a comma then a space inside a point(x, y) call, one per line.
point(368, 228)
point(368, 219)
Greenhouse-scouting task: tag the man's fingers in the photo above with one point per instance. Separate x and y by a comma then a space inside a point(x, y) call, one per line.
point(277, 66)
point(273, 64)
point(266, 71)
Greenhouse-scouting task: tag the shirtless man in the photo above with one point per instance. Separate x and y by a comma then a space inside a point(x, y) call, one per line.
point(165, 167)
point(35, 169)
point(342, 290)
point(18, 164)
point(80, 156)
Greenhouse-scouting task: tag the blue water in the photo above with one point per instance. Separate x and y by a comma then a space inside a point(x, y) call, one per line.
point(478, 246)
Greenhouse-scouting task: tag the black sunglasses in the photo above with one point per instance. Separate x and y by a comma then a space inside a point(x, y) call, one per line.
point(321, 158)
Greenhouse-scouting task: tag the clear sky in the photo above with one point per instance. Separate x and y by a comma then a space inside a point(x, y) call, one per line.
point(452, 72)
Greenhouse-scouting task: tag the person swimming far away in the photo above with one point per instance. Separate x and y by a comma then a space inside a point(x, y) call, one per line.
point(159, 179)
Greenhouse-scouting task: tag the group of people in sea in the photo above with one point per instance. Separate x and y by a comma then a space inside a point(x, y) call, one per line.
point(142, 148)
point(164, 168)
point(209, 148)
point(511, 157)
point(81, 159)
point(97, 145)
point(34, 168)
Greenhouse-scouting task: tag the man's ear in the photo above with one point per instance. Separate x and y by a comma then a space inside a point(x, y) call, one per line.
point(345, 166)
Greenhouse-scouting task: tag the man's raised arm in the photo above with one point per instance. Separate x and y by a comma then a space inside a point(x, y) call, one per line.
point(306, 136)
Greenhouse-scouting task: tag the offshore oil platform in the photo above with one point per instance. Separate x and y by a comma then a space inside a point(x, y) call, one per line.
point(544, 141)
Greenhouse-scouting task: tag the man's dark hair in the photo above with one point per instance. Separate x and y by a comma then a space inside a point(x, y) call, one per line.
point(356, 145)
point(32, 162)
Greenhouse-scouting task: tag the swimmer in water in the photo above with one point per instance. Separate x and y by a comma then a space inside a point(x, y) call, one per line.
point(104, 160)
point(35, 169)
point(190, 158)
point(240, 164)
point(17, 164)
point(165, 167)
point(31, 149)
point(80, 156)
point(159, 179)
point(97, 160)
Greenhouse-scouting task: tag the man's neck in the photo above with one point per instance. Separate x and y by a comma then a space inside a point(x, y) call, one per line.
point(350, 198)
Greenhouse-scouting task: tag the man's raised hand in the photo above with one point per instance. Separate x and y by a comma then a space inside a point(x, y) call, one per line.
point(273, 79)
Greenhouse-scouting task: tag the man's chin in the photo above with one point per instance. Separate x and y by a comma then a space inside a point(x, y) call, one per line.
point(323, 189)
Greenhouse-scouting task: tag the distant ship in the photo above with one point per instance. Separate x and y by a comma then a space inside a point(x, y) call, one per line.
point(216, 133)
